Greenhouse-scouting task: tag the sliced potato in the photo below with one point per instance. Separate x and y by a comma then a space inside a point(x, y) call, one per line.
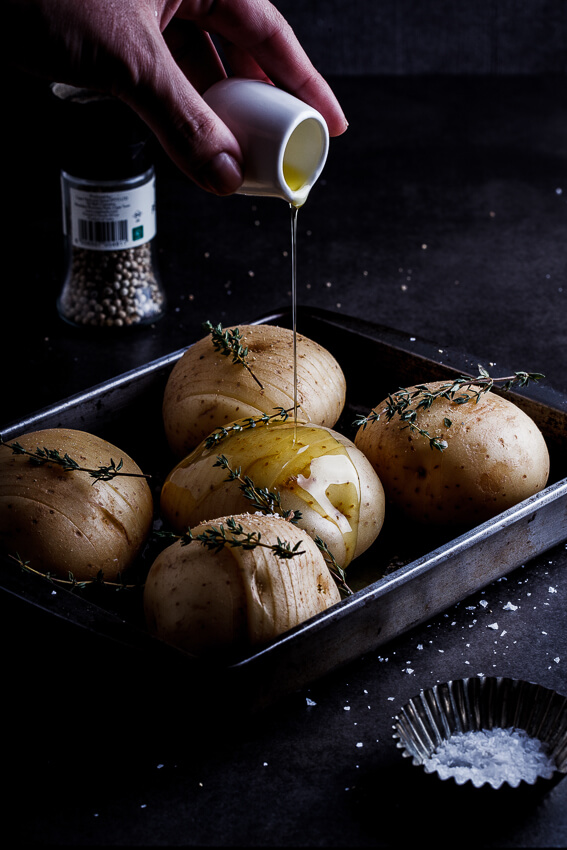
point(66, 522)
point(206, 390)
point(209, 602)
point(316, 471)
point(495, 457)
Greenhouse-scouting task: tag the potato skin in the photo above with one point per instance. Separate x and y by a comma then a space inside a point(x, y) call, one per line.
point(316, 471)
point(65, 522)
point(206, 390)
point(496, 456)
point(221, 603)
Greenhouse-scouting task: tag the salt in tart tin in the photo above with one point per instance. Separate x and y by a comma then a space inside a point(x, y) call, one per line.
point(487, 733)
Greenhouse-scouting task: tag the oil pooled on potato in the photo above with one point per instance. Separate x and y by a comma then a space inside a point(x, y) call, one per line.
point(306, 464)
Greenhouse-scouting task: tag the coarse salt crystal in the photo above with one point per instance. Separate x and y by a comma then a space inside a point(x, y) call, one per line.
point(491, 756)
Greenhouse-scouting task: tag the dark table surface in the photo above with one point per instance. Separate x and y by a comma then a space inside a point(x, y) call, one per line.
point(442, 212)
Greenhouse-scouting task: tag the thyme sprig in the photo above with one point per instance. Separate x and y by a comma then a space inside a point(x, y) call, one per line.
point(264, 500)
point(71, 581)
point(213, 439)
point(334, 568)
point(406, 405)
point(216, 537)
point(229, 342)
point(42, 456)
point(269, 502)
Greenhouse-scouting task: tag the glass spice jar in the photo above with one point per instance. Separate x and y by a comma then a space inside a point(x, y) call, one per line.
point(109, 215)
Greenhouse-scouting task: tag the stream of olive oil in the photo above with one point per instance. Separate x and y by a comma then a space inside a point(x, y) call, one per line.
point(294, 211)
point(296, 180)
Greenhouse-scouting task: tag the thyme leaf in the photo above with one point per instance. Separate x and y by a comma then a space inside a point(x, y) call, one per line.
point(216, 537)
point(406, 405)
point(229, 342)
point(335, 569)
point(71, 582)
point(264, 500)
point(242, 425)
point(42, 456)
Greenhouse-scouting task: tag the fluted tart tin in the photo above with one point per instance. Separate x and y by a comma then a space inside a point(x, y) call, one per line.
point(486, 732)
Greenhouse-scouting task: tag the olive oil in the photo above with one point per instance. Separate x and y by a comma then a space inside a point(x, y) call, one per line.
point(294, 178)
point(297, 180)
point(294, 211)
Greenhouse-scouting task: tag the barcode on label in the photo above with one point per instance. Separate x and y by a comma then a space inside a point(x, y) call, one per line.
point(103, 231)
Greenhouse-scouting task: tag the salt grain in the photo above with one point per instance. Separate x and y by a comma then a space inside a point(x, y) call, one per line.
point(491, 756)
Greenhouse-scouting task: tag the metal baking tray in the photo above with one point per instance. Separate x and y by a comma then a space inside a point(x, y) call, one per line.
point(398, 585)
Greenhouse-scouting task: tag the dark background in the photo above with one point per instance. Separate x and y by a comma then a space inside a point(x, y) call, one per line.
point(487, 37)
point(441, 213)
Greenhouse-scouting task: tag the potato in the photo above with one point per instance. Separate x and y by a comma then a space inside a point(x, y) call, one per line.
point(495, 457)
point(66, 522)
point(208, 602)
point(206, 390)
point(316, 471)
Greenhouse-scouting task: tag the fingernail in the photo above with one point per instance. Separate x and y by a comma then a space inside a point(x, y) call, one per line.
point(222, 174)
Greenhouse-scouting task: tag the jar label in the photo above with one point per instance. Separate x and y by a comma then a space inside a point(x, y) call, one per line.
point(103, 220)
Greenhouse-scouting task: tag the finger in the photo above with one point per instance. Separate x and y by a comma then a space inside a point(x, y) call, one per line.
point(241, 62)
point(194, 53)
point(188, 130)
point(258, 29)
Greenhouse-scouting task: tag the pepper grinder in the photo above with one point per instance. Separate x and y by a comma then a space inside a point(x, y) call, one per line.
point(109, 214)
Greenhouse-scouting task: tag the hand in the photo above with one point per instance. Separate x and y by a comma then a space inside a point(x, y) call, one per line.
point(158, 57)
